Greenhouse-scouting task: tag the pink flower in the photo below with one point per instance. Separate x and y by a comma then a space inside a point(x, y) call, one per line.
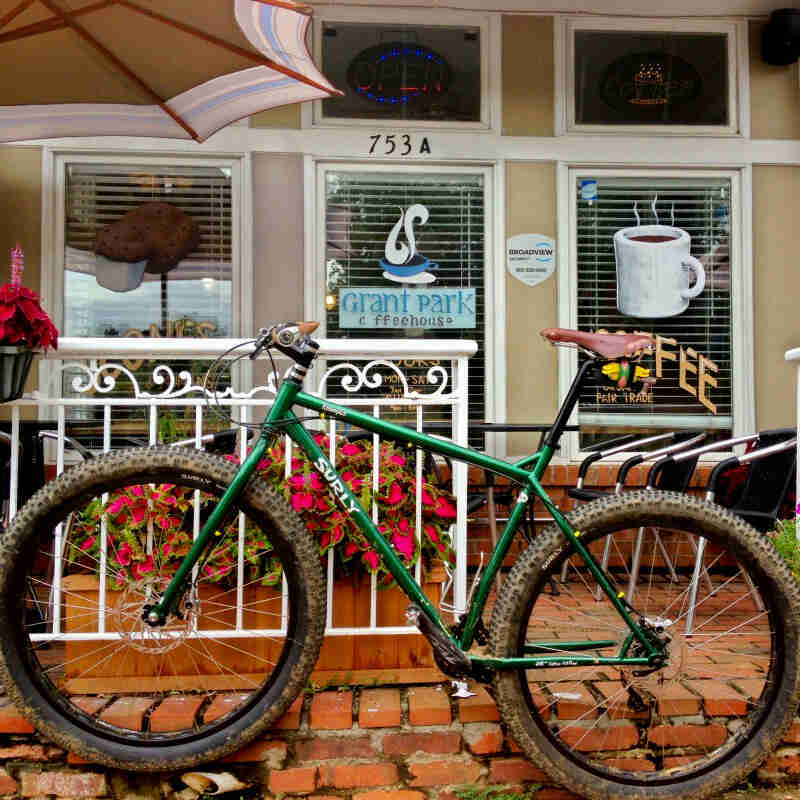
point(351, 449)
point(444, 508)
point(432, 533)
point(124, 554)
point(146, 567)
point(86, 544)
point(396, 495)
point(371, 559)
point(302, 500)
point(397, 459)
point(404, 545)
point(354, 481)
point(137, 490)
point(116, 506)
point(350, 549)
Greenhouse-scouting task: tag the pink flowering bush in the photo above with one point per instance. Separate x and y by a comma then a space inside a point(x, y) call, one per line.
point(162, 515)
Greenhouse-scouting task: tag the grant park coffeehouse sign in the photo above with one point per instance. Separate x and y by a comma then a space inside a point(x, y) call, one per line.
point(413, 305)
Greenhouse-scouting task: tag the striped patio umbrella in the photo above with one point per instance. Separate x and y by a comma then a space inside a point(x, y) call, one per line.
point(181, 69)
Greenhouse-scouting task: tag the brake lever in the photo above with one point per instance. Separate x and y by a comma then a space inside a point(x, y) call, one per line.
point(263, 341)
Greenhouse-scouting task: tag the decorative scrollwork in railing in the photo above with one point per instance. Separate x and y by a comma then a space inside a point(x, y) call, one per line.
point(111, 378)
point(103, 379)
point(354, 378)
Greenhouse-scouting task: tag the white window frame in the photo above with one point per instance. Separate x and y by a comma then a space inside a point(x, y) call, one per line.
point(54, 164)
point(312, 115)
point(738, 74)
point(741, 257)
point(494, 274)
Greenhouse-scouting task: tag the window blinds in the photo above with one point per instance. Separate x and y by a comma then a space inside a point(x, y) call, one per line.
point(194, 300)
point(700, 206)
point(361, 210)
point(98, 195)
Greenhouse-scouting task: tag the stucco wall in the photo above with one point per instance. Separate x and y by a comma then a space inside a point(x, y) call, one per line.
point(277, 238)
point(21, 209)
point(281, 117)
point(528, 76)
point(774, 94)
point(776, 286)
point(21, 219)
point(531, 364)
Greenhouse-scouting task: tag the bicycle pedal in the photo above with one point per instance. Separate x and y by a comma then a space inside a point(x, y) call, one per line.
point(461, 689)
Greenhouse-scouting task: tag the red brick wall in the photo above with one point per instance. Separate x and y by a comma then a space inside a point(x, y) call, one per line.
point(406, 743)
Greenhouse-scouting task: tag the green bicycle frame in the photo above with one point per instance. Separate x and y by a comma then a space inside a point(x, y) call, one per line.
point(525, 473)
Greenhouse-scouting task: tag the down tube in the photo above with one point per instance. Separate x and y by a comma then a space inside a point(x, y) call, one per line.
point(353, 508)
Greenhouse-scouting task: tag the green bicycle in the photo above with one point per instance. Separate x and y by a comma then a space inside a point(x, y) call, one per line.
point(607, 693)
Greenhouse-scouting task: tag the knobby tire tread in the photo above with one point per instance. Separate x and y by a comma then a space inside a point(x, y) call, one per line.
point(258, 498)
point(637, 508)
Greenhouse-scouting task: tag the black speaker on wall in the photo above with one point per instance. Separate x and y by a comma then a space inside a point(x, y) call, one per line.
point(780, 41)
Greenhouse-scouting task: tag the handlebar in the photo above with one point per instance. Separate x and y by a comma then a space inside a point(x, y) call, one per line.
point(291, 336)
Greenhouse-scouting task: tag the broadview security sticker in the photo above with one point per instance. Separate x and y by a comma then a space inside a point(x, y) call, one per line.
point(531, 257)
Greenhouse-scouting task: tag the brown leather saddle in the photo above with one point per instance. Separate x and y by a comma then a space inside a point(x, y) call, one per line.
point(602, 345)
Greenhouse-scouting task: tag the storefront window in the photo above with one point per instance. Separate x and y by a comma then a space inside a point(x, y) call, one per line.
point(147, 252)
point(653, 254)
point(405, 259)
point(403, 72)
point(643, 76)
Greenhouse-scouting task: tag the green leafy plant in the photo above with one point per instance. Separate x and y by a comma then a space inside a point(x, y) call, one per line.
point(139, 515)
point(495, 792)
point(785, 540)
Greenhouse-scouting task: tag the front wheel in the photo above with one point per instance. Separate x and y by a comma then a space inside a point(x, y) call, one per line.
point(87, 556)
point(707, 586)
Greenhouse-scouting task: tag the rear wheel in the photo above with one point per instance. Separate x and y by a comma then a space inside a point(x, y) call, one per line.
point(87, 556)
point(729, 685)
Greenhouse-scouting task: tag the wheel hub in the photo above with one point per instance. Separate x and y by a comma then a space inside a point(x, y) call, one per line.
point(672, 669)
point(133, 620)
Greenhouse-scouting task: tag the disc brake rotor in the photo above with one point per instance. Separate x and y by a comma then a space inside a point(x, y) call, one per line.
point(127, 618)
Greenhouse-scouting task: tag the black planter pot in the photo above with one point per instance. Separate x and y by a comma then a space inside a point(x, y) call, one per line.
point(15, 364)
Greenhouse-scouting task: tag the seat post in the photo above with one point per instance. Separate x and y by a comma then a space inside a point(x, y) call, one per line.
point(553, 436)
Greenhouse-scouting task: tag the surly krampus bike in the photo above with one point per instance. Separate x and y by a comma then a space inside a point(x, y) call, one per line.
point(610, 696)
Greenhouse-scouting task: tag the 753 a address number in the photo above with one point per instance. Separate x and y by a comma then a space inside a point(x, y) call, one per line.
point(398, 144)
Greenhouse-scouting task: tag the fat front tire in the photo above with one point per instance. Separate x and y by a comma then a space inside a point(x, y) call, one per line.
point(79, 658)
point(728, 689)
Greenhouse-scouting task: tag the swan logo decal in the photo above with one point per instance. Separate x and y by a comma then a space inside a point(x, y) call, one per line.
point(402, 263)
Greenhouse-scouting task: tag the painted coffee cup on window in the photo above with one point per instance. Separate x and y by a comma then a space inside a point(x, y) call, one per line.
point(654, 271)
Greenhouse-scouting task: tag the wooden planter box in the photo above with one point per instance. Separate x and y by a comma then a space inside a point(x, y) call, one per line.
point(210, 665)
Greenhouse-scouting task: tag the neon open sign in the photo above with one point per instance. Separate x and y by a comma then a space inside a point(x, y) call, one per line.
point(398, 72)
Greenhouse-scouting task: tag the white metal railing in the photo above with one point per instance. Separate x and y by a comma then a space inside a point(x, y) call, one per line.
point(96, 366)
point(794, 355)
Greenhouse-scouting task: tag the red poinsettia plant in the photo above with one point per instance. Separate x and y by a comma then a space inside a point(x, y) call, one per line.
point(23, 321)
point(149, 527)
